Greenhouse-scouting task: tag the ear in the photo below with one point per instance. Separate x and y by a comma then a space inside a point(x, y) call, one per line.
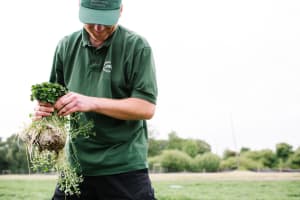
point(121, 10)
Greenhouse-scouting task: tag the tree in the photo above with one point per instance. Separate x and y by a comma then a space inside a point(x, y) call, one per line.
point(13, 156)
point(294, 160)
point(203, 147)
point(283, 151)
point(175, 142)
point(156, 147)
point(229, 154)
point(3, 157)
point(190, 147)
point(266, 157)
point(244, 149)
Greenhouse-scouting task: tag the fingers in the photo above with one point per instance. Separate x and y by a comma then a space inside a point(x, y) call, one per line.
point(68, 109)
point(41, 113)
point(45, 104)
point(70, 103)
point(63, 101)
point(42, 110)
point(35, 118)
point(67, 104)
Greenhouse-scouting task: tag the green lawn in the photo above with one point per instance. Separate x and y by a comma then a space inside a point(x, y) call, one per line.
point(16, 189)
point(228, 190)
point(174, 187)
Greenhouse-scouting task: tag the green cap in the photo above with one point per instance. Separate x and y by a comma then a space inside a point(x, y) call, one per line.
point(106, 12)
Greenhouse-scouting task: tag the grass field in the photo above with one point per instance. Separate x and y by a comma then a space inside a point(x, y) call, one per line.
point(177, 186)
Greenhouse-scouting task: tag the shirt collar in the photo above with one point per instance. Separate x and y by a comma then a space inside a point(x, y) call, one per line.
point(86, 41)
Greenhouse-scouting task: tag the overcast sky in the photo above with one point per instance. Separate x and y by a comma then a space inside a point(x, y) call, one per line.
point(227, 70)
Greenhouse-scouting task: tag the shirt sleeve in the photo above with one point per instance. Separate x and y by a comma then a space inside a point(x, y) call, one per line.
point(144, 84)
point(56, 75)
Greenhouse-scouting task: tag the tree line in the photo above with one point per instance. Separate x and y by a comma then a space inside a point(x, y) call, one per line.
point(177, 154)
point(13, 156)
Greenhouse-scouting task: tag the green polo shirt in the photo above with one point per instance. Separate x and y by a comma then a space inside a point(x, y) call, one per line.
point(122, 67)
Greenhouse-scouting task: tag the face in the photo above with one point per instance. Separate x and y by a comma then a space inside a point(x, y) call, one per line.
point(98, 32)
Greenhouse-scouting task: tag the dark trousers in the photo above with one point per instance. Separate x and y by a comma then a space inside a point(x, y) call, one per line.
point(135, 185)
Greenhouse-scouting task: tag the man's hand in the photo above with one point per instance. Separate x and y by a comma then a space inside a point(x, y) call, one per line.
point(73, 102)
point(42, 110)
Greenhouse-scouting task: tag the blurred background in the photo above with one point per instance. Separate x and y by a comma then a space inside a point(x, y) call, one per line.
point(228, 71)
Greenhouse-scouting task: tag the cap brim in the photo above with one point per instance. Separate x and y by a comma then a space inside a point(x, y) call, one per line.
point(104, 17)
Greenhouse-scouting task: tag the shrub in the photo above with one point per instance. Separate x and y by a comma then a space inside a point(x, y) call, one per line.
point(229, 154)
point(156, 147)
point(155, 163)
point(175, 160)
point(203, 146)
point(294, 160)
point(190, 147)
point(266, 157)
point(246, 163)
point(229, 164)
point(207, 162)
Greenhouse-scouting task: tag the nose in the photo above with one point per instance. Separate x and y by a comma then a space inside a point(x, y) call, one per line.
point(99, 27)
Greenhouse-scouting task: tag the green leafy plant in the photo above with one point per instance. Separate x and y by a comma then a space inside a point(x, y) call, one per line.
point(47, 92)
point(46, 138)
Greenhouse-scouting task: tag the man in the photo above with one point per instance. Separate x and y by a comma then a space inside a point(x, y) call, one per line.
point(110, 73)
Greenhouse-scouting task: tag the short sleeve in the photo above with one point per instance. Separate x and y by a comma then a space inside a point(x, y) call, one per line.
point(56, 75)
point(143, 77)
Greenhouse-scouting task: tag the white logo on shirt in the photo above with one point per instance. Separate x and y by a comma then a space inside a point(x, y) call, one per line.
point(107, 66)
